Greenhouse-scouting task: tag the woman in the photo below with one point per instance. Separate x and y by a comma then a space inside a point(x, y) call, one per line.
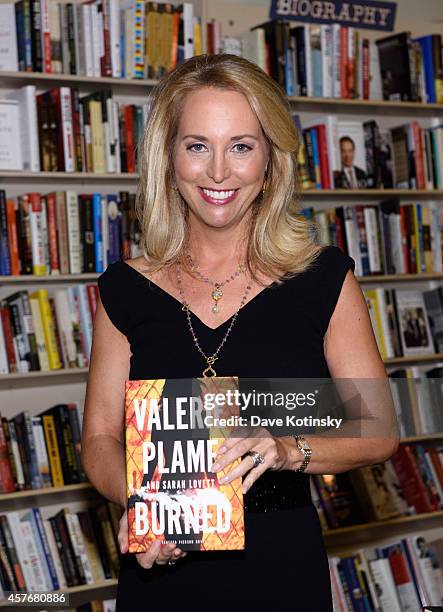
point(233, 283)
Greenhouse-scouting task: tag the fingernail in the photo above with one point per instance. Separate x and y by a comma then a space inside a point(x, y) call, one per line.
point(222, 449)
point(215, 467)
point(223, 479)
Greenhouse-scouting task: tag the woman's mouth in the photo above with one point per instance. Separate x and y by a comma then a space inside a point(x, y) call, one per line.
point(218, 196)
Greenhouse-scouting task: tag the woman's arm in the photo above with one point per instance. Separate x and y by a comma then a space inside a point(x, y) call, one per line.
point(103, 453)
point(103, 422)
point(351, 353)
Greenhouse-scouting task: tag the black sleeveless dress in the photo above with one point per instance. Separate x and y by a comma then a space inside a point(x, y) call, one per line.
point(279, 333)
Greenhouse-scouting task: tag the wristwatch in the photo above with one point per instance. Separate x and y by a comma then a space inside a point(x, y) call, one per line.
point(303, 445)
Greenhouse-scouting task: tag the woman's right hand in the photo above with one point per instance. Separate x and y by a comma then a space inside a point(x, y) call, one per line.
point(157, 553)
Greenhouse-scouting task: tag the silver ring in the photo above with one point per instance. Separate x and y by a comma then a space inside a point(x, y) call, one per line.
point(171, 562)
point(257, 458)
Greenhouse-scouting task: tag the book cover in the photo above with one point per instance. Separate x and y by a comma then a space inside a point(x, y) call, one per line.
point(171, 445)
point(351, 171)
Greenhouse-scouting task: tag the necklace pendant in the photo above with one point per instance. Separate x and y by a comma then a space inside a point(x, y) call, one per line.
point(209, 372)
point(215, 308)
point(217, 294)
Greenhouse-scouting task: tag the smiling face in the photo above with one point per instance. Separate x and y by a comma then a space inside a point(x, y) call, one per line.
point(220, 155)
point(347, 150)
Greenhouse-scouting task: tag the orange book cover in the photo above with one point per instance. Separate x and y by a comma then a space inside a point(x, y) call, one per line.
point(172, 434)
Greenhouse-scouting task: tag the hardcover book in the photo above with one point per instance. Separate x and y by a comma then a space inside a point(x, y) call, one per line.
point(172, 436)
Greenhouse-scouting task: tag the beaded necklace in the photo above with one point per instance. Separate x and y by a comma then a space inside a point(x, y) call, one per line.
point(210, 359)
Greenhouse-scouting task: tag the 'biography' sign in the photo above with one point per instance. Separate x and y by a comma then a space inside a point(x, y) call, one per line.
point(366, 14)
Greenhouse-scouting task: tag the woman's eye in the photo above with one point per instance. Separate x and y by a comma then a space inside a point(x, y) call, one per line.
point(245, 148)
point(248, 148)
point(197, 144)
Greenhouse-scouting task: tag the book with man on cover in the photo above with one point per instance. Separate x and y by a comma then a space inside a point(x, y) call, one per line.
point(172, 436)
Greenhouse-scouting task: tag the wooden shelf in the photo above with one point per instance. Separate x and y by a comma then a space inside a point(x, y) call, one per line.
point(422, 437)
point(20, 500)
point(374, 525)
point(326, 194)
point(43, 80)
point(48, 491)
point(338, 541)
point(399, 278)
point(34, 379)
point(414, 359)
point(372, 193)
point(17, 79)
point(30, 279)
point(39, 374)
point(343, 105)
point(64, 176)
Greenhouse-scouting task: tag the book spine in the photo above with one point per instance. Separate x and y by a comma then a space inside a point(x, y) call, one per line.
point(20, 477)
point(27, 35)
point(36, 34)
point(45, 546)
point(37, 238)
point(73, 228)
point(5, 256)
point(48, 328)
point(9, 448)
point(77, 539)
point(64, 546)
point(40, 447)
point(53, 451)
point(11, 564)
point(98, 236)
point(45, 36)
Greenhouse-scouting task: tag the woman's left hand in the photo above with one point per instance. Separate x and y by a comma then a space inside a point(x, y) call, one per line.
point(260, 440)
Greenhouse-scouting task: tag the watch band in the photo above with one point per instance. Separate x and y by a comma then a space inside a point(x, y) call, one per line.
point(303, 445)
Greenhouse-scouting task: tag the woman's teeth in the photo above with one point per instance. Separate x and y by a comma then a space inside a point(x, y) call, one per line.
point(219, 195)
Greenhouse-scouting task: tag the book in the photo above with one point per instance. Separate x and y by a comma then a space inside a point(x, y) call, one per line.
point(170, 448)
point(10, 150)
point(415, 333)
point(396, 67)
point(352, 171)
point(8, 48)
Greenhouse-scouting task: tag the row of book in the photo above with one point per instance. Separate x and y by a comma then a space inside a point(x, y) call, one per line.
point(406, 322)
point(57, 130)
point(417, 393)
point(337, 61)
point(44, 331)
point(64, 550)
point(106, 38)
point(70, 233)
point(43, 450)
point(403, 574)
point(389, 237)
point(140, 39)
point(410, 482)
point(65, 232)
point(362, 155)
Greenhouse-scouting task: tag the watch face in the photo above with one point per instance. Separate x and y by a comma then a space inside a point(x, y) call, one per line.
point(305, 445)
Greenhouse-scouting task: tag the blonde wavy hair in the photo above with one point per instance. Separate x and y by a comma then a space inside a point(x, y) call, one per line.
point(281, 242)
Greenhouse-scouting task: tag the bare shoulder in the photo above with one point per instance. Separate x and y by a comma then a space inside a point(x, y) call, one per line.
point(136, 262)
point(161, 277)
point(349, 343)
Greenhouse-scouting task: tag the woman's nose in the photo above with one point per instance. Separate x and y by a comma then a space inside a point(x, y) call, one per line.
point(218, 167)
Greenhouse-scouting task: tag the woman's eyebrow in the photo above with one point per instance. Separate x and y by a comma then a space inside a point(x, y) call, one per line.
point(200, 137)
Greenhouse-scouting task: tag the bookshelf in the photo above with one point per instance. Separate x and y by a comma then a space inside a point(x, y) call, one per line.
point(13, 387)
